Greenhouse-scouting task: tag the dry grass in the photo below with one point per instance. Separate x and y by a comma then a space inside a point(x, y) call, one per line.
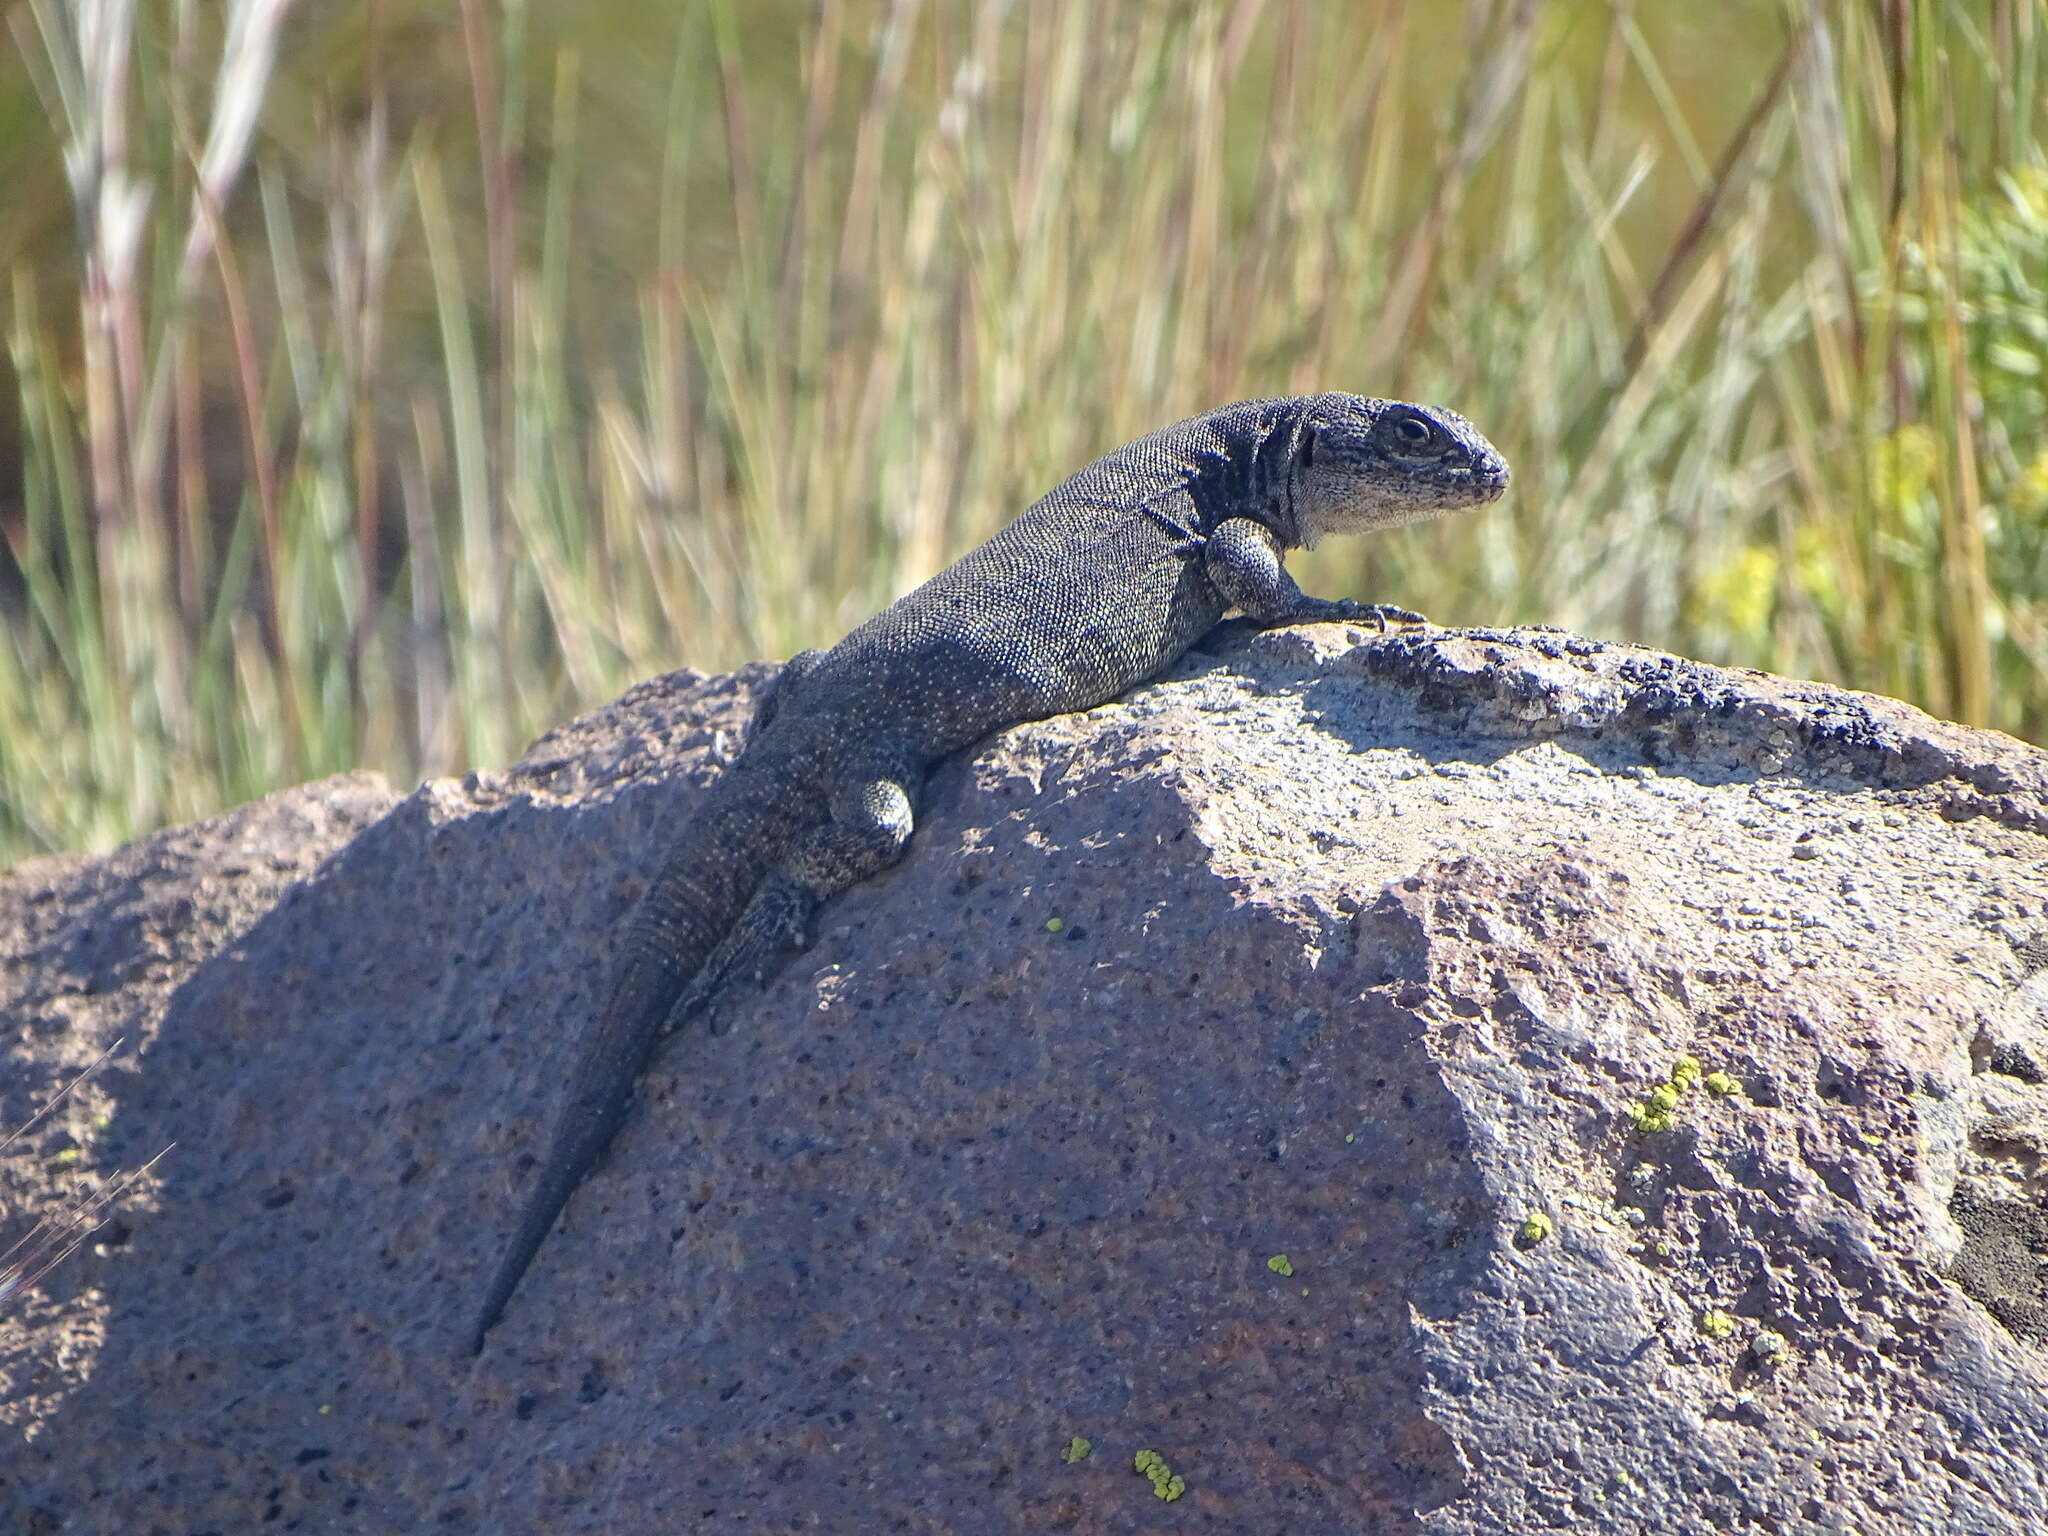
point(394, 435)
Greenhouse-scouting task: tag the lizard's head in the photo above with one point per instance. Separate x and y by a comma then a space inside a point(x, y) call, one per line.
point(1361, 464)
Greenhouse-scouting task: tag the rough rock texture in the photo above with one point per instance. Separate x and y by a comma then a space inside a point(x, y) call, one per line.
point(1353, 953)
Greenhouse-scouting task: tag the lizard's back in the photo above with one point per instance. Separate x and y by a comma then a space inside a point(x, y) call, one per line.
point(1091, 590)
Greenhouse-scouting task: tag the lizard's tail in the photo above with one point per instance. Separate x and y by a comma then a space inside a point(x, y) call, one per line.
point(598, 1100)
point(614, 1054)
point(698, 895)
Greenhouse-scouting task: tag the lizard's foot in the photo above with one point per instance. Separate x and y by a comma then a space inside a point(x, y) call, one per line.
point(1343, 610)
point(1380, 615)
point(1387, 614)
point(775, 923)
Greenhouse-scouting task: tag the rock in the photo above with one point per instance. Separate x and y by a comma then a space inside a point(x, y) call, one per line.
point(1262, 1072)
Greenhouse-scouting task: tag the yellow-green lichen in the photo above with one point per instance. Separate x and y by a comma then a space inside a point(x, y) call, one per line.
point(1281, 1265)
point(1716, 1324)
point(1077, 1450)
point(1165, 1483)
point(1720, 1084)
point(1769, 1350)
point(1658, 1109)
point(1054, 924)
point(1534, 1229)
point(1648, 1120)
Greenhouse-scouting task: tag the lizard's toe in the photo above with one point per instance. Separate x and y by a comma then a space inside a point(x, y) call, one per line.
point(1384, 614)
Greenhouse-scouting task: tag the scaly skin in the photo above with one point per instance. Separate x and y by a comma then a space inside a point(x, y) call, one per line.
point(1096, 588)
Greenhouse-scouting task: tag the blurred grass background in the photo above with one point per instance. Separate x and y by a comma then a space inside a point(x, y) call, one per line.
point(388, 381)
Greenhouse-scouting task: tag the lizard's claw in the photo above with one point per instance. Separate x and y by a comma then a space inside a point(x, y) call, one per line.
point(1380, 615)
point(1344, 610)
point(1387, 614)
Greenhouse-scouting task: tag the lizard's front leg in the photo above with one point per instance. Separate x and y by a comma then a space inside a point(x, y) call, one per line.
point(1243, 560)
point(871, 822)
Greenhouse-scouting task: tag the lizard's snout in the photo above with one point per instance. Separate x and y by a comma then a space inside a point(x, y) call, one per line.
point(1493, 476)
point(1486, 476)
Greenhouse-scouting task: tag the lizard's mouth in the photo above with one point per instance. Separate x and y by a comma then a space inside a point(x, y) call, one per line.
point(1492, 475)
point(1487, 478)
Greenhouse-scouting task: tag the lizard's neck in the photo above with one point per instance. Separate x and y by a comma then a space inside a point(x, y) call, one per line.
point(1275, 481)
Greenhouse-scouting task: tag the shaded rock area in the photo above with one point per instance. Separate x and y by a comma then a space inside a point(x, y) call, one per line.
point(1263, 1071)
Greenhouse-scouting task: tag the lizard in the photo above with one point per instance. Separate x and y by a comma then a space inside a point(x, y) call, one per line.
point(1095, 588)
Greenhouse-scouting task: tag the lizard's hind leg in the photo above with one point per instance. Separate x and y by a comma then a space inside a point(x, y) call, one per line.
point(871, 822)
point(769, 703)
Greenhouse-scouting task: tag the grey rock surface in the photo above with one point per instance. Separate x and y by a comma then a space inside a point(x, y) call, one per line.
point(1362, 953)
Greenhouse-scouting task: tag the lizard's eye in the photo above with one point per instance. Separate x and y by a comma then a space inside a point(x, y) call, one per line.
point(1412, 432)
